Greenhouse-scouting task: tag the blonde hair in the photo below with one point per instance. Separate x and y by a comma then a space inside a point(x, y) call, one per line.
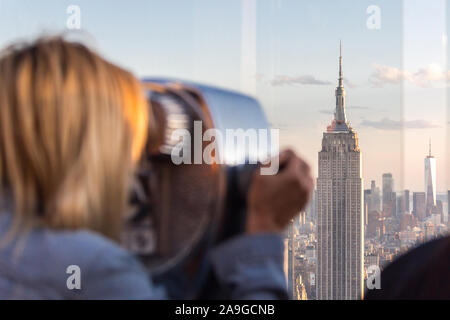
point(71, 127)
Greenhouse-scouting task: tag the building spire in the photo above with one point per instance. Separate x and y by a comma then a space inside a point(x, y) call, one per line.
point(341, 78)
point(429, 148)
point(339, 114)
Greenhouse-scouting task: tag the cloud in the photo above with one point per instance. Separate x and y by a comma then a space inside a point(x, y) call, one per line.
point(326, 111)
point(425, 77)
point(389, 124)
point(281, 80)
point(386, 75)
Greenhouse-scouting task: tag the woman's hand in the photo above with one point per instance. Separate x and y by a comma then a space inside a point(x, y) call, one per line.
point(273, 200)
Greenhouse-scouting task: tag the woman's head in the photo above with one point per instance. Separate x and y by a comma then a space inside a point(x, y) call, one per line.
point(71, 127)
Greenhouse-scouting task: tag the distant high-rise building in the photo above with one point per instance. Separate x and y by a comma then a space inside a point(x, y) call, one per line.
point(406, 201)
point(375, 225)
point(389, 197)
point(399, 207)
point(392, 205)
point(388, 185)
point(367, 205)
point(375, 204)
point(439, 210)
point(419, 205)
point(430, 182)
point(289, 252)
point(372, 200)
point(311, 209)
point(403, 203)
point(340, 225)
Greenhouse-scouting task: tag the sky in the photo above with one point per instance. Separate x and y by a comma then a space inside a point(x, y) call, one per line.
point(285, 53)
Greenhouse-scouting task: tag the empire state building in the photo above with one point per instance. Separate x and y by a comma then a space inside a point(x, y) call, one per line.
point(340, 232)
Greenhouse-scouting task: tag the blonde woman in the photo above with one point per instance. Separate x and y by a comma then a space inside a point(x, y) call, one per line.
point(72, 127)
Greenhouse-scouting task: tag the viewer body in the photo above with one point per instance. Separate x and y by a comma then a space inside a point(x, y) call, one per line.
point(72, 128)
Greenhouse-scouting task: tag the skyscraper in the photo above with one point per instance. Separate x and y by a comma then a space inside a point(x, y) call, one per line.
point(367, 204)
point(371, 199)
point(403, 203)
point(375, 197)
point(406, 201)
point(419, 208)
point(430, 182)
point(340, 225)
point(389, 196)
point(289, 253)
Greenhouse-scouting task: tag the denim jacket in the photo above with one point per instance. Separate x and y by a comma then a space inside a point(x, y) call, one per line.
point(35, 266)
